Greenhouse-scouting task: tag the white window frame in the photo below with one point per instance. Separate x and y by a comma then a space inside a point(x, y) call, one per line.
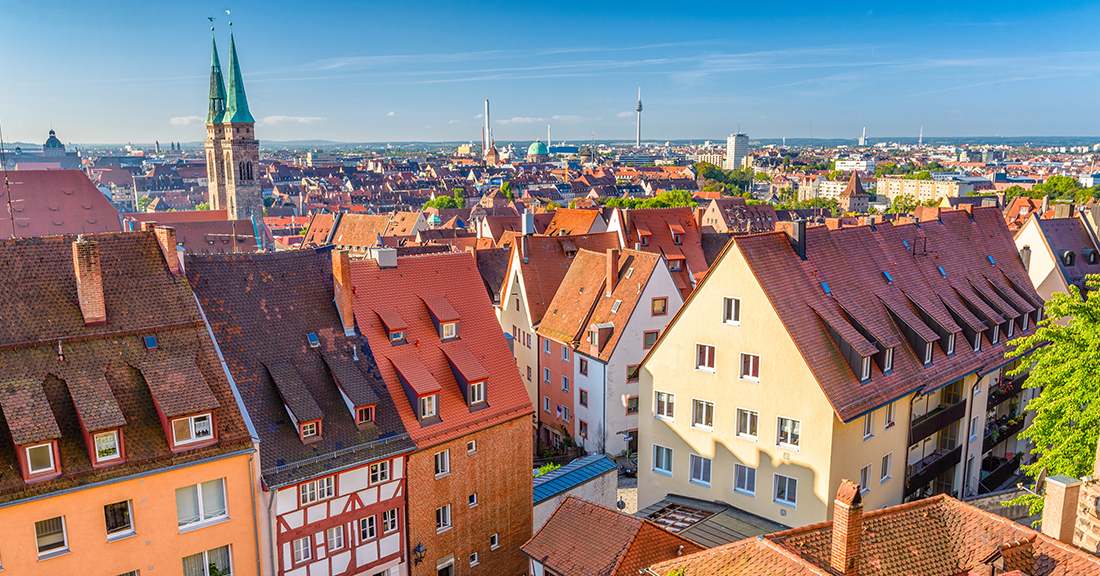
point(868, 426)
point(669, 414)
point(865, 479)
point(334, 538)
point(888, 360)
point(696, 404)
point(546, 404)
point(368, 528)
point(63, 549)
point(303, 549)
point(49, 448)
point(367, 411)
point(564, 383)
point(545, 346)
point(309, 429)
point(449, 330)
point(886, 464)
point(865, 369)
point(494, 541)
point(546, 374)
point(749, 471)
point(389, 521)
point(891, 416)
point(977, 342)
point(380, 472)
point(753, 416)
point(668, 453)
point(397, 335)
point(124, 532)
point(787, 485)
point(95, 442)
point(428, 406)
point(191, 429)
point(443, 519)
point(731, 311)
point(564, 353)
point(474, 559)
point(779, 433)
point(316, 490)
point(705, 464)
point(712, 353)
point(471, 446)
point(927, 353)
point(477, 392)
point(975, 424)
point(472, 500)
point(950, 343)
point(741, 369)
point(442, 463)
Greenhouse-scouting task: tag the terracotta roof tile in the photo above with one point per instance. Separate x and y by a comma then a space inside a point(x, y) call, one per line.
point(49, 202)
point(28, 411)
point(440, 308)
point(294, 393)
point(547, 263)
point(94, 401)
point(463, 361)
point(572, 221)
point(177, 386)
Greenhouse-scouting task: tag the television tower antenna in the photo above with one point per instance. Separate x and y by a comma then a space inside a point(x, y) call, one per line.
point(920, 139)
point(638, 139)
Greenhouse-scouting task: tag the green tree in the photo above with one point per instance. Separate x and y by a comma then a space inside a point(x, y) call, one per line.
point(902, 204)
point(460, 197)
point(1065, 367)
point(202, 206)
point(442, 202)
point(143, 203)
point(506, 189)
point(553, 206)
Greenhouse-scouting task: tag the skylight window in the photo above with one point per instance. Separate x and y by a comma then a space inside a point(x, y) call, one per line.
point(628, 273)
point(991, 261)
point(889, 279)
point(906, 242)
point(150, 342)
point(615, 306)
point(825, 287)
point(314, 342)
point(942, 273)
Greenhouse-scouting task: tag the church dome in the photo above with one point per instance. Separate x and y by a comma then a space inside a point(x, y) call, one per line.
point(537, 148)
point(53, 142)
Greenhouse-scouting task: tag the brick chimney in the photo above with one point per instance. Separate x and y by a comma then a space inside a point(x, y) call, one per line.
point(796, 233)
point(1060, 507)
point(166, 237)
point(343, 289)
point(148, 226)
point(89, 281)
point(847, 523)
point(612, 270)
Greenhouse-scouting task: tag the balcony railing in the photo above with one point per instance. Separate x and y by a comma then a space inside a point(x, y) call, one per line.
point(1004, 470)
point(1005, 390)
point(935, 421)
point(993, 437)
point(928, 469)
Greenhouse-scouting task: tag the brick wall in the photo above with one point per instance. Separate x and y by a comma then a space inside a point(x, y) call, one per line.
point(500, 473)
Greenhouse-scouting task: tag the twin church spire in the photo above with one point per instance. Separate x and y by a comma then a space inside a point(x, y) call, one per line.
point(231, 106)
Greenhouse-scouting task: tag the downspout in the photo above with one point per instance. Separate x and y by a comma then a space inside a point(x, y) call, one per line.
point(255, 522)
point(271, 534)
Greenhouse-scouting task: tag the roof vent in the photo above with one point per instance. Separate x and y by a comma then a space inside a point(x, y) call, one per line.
point(942, 273)
point(825, 287)
point(314, 342)
point(889, 280)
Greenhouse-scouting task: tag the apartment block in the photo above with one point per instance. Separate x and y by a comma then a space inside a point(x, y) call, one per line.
point(808, 355)
point(922, 190)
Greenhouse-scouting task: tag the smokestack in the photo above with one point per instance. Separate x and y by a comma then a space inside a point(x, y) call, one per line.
point(612, 270)
point(343, 290)
point(89, 281)
point(488, 130)
point(847, 523)
point(1046, 205)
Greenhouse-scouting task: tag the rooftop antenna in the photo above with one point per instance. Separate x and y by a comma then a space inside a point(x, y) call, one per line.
point(7, 183)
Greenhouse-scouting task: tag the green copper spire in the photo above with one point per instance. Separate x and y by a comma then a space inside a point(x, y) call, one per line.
point(236, 109)
point(217, 89)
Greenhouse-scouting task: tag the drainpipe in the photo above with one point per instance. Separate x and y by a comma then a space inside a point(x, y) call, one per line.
point(255, 522)
point(271, 535)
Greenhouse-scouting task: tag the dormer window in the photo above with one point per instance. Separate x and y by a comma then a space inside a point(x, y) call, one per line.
point(106, 446)
point(674, 265)
point(888, 360)
point(865, 372)
point(677, 239)
point(996, 334)
point(645, 241)
point(398, 336)
point(314, 342)
point(449, 330)
point(477, 393)
point(428, 406)
point(950, 344)
point(593, 337)
point(310, 429)
point(192, 429)
point(927, 352)
point(364, 415)
point(977, 342)
point(40, 459)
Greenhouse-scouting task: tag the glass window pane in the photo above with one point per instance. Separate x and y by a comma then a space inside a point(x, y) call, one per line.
point(117, 516)
point(219, 558)
point(40, 458)
point(213, 499)
point(202, 427)
point(194, 565)
point(187, 505)
point(182, 429)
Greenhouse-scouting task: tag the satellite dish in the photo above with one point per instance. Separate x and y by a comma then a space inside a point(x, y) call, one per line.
point(620, 504)
point(1040, 482)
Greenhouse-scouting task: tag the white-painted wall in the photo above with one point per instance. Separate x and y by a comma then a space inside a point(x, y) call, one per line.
point(602, 490)
point(508, 315)
point(594, 415)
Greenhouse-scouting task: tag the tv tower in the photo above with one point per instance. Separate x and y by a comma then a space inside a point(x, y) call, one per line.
point(638, 140)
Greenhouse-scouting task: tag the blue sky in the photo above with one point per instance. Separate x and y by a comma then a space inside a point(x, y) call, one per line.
point(137, 71)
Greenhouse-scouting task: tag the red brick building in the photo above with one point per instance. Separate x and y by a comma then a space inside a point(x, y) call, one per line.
point(445, 361)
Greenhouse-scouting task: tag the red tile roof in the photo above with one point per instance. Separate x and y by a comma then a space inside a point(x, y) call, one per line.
point(1070, 234)
point(584, 538)
point(547, 264)
point(417, 279)
point(658, 223)
point(50, 202)
point(572, 221)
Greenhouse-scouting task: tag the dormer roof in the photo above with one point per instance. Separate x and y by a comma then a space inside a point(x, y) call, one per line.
point(177, 386)
point(295, 395)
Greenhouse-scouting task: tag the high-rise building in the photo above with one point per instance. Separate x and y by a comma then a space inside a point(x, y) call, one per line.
point(737, 148)
point(232, 151)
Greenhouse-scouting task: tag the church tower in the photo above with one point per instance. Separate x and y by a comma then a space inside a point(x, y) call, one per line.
point(232, 151)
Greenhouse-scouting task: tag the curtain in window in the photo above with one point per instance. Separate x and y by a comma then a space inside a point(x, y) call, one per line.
point(194, 565)
point(187, 505)
point(219, 558)
point(213, 499)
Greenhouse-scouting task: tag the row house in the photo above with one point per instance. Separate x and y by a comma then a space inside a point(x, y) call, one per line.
point(731, 214)
point(670, 232)
point(536, 267)
point(809, 355)
point(609, 310)
point(1058, 252)
point(442, 356)
point(123, 449)
point(331, 498)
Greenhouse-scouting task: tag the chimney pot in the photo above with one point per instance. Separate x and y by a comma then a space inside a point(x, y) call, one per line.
point(148, 226)
point(89, 281)
point(847, 525)
point(343, 290)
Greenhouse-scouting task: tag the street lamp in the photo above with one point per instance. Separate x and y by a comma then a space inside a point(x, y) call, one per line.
point(418, 553)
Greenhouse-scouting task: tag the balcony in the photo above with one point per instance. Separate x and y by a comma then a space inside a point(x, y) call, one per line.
point(998, 432)
point(999, 470)
point(928, 469)
point(935, 421)
point(1004, 390)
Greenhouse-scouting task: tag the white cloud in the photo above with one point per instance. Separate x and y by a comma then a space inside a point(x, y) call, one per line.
point(390, 113)
point(454, 121)
point(625, 114)
point(292, 119)
point(568, 118)
point(520, 120)
point(479, 116)
point(185, 120)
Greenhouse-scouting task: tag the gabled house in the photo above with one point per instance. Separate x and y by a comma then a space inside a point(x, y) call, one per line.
point(1058, 252)
point(730, 214)
point(809, 355)
point(121, 443)
point(575, 221)
point(670, 232)
point(332, 447)
point(536, 267)
point(445, 362)
point(608, 312)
